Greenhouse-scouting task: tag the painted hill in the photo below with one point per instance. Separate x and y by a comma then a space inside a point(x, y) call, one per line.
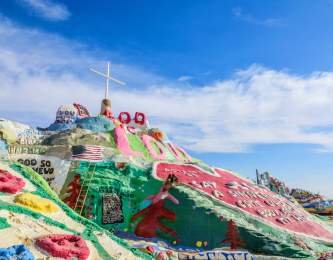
point(128, 178)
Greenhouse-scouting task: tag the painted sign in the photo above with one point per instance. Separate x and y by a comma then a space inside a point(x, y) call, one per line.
point(32, 136)
point(66, 114)
point(52, 169)
point(82, 111)
point(112, 209)
point(138, 121)
point(241, 193)
point(216, 255)
point(27, 149)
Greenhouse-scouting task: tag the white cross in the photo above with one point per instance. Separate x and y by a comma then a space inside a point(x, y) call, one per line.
point(108, 78)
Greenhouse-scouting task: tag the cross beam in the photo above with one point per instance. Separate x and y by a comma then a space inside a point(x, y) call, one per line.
point(108, 77)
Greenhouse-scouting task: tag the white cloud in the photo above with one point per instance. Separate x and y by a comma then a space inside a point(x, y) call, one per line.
point(41, 71)
point(184, 78)
point(246, 17)
point(256, 106)
point(48, 9)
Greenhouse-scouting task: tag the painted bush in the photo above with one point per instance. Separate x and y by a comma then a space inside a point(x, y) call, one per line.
point(36, 203)
point(64, 246)
point(10, 183)
point(18, 252)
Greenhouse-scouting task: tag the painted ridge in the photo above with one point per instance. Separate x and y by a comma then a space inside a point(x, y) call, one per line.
point(243, 195)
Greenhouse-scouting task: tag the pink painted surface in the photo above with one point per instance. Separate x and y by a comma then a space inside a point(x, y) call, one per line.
point(10, 183)
point(123, 144)
point(242, 194)
point(162, 195)
point(64, 246)
point(179, 153)
point(148, 140)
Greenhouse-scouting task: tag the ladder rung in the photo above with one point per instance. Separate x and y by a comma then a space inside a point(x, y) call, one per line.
point(89, 175)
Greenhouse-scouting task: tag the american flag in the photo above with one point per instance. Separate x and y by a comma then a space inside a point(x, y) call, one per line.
point(87, 153)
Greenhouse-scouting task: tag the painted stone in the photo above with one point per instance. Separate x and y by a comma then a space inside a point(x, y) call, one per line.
point(36, 203)
point(10, 183)
point(18, 252)
point(64, 246)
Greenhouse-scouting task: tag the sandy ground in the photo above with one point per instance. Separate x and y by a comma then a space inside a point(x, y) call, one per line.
point(25, 229)
point(113, 248)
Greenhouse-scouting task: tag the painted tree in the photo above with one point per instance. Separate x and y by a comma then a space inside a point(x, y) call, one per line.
point(232, 236)
point(73, 190)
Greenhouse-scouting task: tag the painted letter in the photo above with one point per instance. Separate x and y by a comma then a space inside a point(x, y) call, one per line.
point(147, 140)
point(124, 117)
point(122, 143)
point(179, 153)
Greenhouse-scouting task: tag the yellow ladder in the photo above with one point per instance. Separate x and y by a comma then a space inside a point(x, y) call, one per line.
point(81, 198)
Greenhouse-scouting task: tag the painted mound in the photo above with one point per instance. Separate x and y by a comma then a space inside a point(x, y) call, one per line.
point(130, 179)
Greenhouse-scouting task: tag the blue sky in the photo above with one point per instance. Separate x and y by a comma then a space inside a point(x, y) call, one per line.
point(242, 84)
point(205, 40)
